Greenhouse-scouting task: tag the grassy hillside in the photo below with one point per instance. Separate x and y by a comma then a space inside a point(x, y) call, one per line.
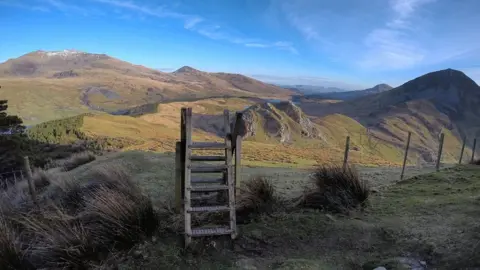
point(159, 131)
point(42, 85)
point(428, 221)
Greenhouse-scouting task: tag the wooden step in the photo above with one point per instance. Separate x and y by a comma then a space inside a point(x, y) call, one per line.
point(217, 208)
point(207, 145)
point(208, 168)
point(207, 158)
point(207, 188)
point(198, 232)
point(207, 180)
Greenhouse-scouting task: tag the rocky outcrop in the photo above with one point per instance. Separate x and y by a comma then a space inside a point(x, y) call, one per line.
point(293, 111)
point(65, 74)
point(280, 121)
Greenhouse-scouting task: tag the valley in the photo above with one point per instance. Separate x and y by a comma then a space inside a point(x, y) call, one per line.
point(119, 101)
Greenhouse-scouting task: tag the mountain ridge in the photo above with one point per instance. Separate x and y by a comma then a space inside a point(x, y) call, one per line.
point(81, 82)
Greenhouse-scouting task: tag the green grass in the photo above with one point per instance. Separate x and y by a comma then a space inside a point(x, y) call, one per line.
point(433, 217)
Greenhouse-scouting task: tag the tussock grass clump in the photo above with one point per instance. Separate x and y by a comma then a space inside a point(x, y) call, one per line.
point(257, 195)
point(337, 189)
point(75, 161)
point(11, 254)
point(75, 223)
point(475, 162)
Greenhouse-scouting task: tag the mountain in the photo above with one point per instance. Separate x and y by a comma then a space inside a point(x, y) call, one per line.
point(44, 85)
point(349, 95)
point(442, 101)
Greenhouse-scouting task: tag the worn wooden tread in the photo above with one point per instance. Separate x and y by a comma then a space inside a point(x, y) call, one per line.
point(208, 145)
point(206, 188)
point(208, 168)
point(198, 232)
point(216, 208)
point(208, 158)
point(195, 180)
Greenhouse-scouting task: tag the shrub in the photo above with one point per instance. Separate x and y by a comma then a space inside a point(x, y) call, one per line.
point(475, 162)
point(257, 195)
point(11, 254)
point(75, 160)
point(337, 189)
point(76, 223)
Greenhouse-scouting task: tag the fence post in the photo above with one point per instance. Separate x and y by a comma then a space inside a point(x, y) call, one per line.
point(345, 157)
point(238, 156)
point(473, 149)
point(440, 148)
point(31, 185)
point(178, 178)
point(406, 154)
point(463, 149)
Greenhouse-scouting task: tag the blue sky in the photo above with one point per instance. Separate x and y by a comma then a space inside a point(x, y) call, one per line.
point(344, 43)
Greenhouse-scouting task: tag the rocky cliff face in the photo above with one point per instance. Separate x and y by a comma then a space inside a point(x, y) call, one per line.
point(283, 121)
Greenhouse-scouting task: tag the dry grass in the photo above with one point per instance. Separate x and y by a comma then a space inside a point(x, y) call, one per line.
point(75, 224)
point(257, 195)
point(75, 160)
point(337, 189)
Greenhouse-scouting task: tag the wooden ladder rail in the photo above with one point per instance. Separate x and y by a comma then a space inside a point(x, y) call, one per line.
point(195, 184)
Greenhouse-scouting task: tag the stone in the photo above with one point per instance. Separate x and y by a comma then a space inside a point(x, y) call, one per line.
point(246, 264)
point(380, 268)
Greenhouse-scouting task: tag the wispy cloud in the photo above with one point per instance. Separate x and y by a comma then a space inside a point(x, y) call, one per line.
point(158, 11)
point(64, 7)
point(393, 46)
point(386, 35)
point(191, 22)
point(201, 26)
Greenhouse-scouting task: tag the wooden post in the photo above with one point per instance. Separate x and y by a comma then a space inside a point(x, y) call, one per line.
point(406, 155)
point(473, 149)
point(237, 147)
point(178, 178)
point(183, 145)
point(463, 149)
point(345, 157)
point(187, 175)
point(31, 185)
point(229, 175)
point(238, 156)
point(440, 148)
point(236, 129)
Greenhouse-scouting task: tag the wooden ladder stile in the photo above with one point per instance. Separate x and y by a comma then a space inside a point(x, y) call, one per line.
point(192, 166)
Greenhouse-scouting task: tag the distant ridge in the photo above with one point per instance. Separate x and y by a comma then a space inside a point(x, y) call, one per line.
point(81, 82)
point(349, 95)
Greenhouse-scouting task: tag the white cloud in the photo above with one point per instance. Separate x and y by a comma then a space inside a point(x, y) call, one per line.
point(201, 26)
point(60, 5)
point(393, 46)
point(191, 22)
point(281, 45)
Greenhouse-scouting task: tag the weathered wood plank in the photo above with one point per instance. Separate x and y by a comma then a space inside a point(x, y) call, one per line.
point(187, 172)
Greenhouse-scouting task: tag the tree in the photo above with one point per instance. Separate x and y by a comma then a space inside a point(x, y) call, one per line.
point(13, 141)
point(9, 124)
